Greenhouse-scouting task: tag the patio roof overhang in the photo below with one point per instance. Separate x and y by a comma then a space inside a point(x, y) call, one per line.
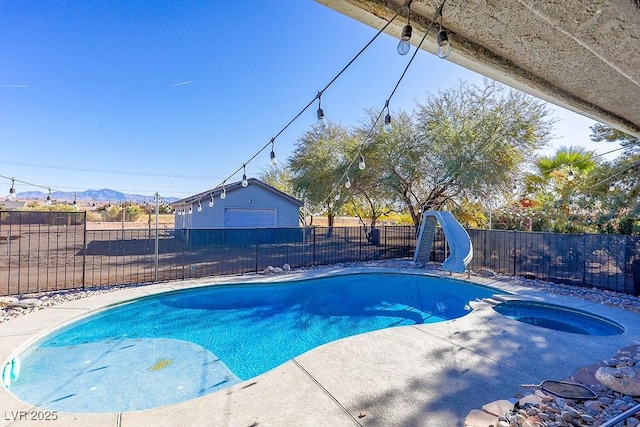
point(580, 55)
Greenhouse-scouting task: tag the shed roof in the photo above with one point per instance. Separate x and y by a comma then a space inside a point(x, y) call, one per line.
point(215, 192)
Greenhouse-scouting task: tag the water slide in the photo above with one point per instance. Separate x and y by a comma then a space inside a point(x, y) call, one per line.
point(460, 247)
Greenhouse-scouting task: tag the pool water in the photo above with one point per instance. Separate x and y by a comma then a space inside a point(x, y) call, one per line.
point(551, 316)
point(180, 345)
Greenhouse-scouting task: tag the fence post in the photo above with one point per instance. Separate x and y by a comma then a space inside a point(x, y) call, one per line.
point(257, 244)
point(515, 232)
point(313, 251)
point(84, 251)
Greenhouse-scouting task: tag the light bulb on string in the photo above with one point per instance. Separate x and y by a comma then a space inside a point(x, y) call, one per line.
point(49, 198)
point(199, 206)
point(272, 155)
point(322, 122)
point(330, 205)
point(443, 42)
point(190, 210)
point(612, 187)
point(403, 45)
point(387, 119)
point(361, 164)
point(387, 123)
point(211, 200)
point(12, 190)
point(244, 176)
point(337, 196)
point(223, 195)
point(570, 176)
point(347, 183)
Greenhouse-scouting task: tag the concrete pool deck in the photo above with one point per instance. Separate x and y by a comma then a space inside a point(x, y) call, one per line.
point(420, 375)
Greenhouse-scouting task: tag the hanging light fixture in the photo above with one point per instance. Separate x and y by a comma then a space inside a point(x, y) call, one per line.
point(347, 183)
point(199, 206)
point(570, 176)
point(337, 196)
point(442, 40)
point(190, 209)
point(274, 161)
point(75, 202)
point(387, 119)
point(223, 195)
point(322, 122)
point(12, 190)
point(244, 176)
point(612, 187)
point(49, 198)
point(403, 45)
point(361, 164)
point(211, 200)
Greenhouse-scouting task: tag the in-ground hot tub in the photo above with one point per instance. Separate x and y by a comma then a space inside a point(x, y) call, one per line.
point(559, 318)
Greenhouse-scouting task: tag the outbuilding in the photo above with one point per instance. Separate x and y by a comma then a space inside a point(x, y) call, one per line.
point(258, 205)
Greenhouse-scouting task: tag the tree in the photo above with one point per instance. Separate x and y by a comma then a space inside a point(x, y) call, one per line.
point(317, 163)
point(616, 184)
point(467, 141)
point(280, 177)
point(560, 186)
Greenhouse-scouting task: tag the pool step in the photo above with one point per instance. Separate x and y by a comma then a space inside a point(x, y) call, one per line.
point(494, 300)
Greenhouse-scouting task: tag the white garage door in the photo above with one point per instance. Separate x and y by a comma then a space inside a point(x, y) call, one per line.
point(254, 218)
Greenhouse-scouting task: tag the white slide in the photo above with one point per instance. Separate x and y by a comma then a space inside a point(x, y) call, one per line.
point(460, 247)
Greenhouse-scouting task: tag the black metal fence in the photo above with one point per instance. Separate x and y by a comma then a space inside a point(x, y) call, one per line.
point(43, 251)
point(604, 261)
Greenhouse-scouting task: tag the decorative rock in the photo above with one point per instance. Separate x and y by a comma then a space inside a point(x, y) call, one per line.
point(27, 303)
point(478, 418)
point(7, 301)
point(269, 270)
point(623, 380)
point(531, 399)
point(498, 408)
point(632, 422)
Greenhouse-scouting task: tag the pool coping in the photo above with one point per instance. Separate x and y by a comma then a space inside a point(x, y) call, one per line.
point(419, 375)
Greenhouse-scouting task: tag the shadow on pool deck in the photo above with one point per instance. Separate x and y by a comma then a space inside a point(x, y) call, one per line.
point(421, 375)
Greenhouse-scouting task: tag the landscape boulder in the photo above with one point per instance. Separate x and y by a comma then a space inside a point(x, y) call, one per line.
point(625, 380)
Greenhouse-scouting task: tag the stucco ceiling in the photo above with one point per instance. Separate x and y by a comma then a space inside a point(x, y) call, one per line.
point(580, 55)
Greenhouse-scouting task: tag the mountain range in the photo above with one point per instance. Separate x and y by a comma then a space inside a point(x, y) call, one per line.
point(99, 196)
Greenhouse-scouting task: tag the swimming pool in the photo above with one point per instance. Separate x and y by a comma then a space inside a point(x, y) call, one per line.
point(180, 345)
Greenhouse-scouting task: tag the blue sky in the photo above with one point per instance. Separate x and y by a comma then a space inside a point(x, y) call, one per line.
point(173, 97)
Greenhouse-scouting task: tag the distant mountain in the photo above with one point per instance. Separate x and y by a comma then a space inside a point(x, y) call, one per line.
point(99, 196)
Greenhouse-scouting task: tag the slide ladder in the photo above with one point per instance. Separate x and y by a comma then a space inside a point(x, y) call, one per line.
point(460, 247)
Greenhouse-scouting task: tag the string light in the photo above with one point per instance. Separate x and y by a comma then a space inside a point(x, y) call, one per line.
point(49, 198)
point(211, 200)
point(272, 156)
point(223, 195)
point(387, 119)
point(199, 206)
point(347, 183)
point(571, 176)
point(190, 210)
point(403, 45)
point(12, 190)
point(361, 164)
point(244, 176)
point(337, 196)
point(322, 122)
point(442, 39)
point(612, 187)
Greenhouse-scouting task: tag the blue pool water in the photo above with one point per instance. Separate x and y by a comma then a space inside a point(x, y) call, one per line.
point(180, 345)
point(551, 316)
